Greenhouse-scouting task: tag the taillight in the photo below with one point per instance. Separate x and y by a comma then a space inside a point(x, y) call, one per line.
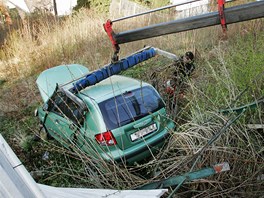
point(105, 139)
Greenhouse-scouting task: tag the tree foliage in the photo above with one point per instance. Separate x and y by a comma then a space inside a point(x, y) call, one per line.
point(82, 4)
point(98, 5)
point(153, 3)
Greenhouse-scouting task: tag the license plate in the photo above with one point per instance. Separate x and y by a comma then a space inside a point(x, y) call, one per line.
point(143, 132)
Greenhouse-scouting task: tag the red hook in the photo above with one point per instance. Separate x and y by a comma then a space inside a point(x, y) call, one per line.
point(111, 35)
point(221, 8)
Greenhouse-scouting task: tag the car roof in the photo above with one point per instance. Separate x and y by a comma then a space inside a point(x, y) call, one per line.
point(112, 86)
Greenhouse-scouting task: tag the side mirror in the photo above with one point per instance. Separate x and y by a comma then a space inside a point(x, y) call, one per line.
point(36, 112)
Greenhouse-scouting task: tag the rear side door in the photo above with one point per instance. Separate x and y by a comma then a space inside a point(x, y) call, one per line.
point(59, 128)
point(64, 118)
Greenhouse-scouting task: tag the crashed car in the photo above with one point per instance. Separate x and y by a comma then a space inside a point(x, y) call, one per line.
point(119, 119)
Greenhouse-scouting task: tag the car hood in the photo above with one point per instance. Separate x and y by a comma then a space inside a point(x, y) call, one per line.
point(48, 79)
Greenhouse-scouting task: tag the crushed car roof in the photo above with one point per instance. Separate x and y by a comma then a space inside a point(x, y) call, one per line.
point(48, 79)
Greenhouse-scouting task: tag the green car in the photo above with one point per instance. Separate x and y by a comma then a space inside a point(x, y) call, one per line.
point(119, 119)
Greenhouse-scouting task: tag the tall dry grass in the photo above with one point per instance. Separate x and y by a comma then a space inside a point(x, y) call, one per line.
point(38, 46)
point(79, 38)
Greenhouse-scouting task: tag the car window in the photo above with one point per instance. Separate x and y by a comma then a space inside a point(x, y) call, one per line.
point(66, 107)
point(130, 106)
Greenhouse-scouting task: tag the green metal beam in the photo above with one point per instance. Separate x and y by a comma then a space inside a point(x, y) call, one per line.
point(243, 107)
point(176, 180)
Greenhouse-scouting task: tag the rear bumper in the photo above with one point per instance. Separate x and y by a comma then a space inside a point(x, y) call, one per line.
point(143, 152)
point(139, 153)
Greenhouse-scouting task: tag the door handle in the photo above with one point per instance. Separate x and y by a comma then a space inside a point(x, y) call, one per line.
point(57, 121)
point(72, 127)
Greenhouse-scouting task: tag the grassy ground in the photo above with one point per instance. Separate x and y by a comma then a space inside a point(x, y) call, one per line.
point(229, 73)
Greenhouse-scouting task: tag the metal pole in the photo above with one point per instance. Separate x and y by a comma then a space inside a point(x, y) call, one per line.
point(155, 10)
point(166, 54)
point(55, 8)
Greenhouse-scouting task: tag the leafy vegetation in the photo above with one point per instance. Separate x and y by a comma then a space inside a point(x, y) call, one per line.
point(153, 3)
point(229, 73)
point(98, 5)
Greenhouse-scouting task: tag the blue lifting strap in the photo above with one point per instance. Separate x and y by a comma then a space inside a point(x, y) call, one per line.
point(112, 69)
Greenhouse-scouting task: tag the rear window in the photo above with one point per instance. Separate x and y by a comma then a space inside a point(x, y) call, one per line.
point(130, 106)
